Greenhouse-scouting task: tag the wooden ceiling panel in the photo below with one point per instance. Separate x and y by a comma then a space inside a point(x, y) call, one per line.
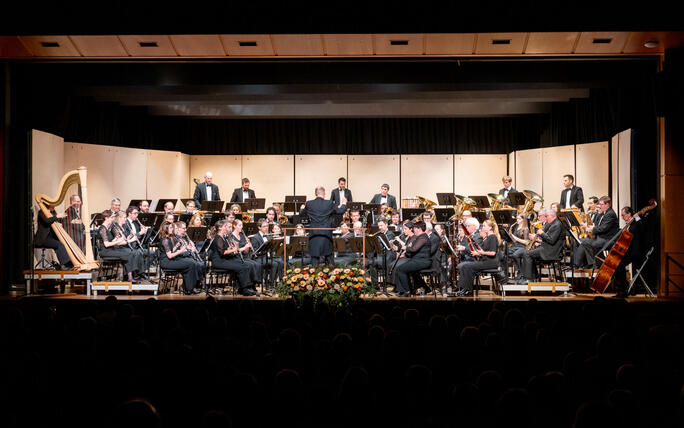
point(500, 43)
point(11, 47)
point(148, 45)
point(297, 44)
point(449, 44)
point(106, 46)
point(636, 40)
point(206, 45)
point(399, 44)
point(601, 42)
point(247, 44)
point(551, 43)
point(348, 44)
point(50, 46)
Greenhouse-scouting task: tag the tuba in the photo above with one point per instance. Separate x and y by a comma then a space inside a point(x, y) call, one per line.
point(528, 243)
point(81, 262)
point(464, 203)
point(497, 201)
point(531, 199)
point(427, 205)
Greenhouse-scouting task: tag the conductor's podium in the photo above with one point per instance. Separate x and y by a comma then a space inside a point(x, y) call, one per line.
point(531, 287)
point(121, 286)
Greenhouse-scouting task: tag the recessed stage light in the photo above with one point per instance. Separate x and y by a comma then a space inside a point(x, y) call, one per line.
point(651, 44)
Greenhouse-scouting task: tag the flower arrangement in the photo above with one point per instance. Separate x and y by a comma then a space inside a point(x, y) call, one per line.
point(334, 286)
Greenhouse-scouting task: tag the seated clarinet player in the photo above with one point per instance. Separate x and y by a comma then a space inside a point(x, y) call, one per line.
point(224, 255)
point(174, 255)
point(551, 236)
point(485, 255)
point(264, 261)
point(416, 252)
point(111, 242)
point(245, 254)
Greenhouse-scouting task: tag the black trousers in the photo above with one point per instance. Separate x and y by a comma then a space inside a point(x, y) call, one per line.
point(191, 269)
point(403, 271)
point(274, 266)
point(517, 252)
point(56, 245)
point(584, 254)
point(233, 264)
point(468, 270)
point(133, 259)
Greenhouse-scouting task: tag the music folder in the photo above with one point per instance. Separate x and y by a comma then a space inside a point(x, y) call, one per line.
point(162, 201)
point(213, 206)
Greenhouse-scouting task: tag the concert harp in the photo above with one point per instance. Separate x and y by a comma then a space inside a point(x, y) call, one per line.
point(81, 262)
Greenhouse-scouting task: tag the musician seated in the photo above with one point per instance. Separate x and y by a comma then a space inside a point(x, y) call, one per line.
point(169, 207)
point(144, 206)
point(440, 261)
point(603, 229)
point(197, 220)
point(136, 231)
point(271, 215)
point(190, 207)
point(346, 257)
point(235, 209)
point(418, 280)
point(303, 256)
point(111, 242)
point(115, 205)
point(46, 237)
point(485, 255)
point(265, 261)
point(170, 217)
point(462, 240)
point(516, 252)
point(245, 246)
point(387, 257)
point(395, 224)
point(223, 254)
point(551, 237)
point(415, 257)
point(634, 253)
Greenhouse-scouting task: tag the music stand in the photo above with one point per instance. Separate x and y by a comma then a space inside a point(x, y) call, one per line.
point(97, 219)
point(197, 234)
point(216, 217)
point(446, 199)
point(516, 198)
point(373, 208)
point(340, 245)
point(158, 220)
point(298, 243)
point(481, 216)
point(293, 203)
point(213, 206)
point(253, 204)
point(504, 216)
point(374, 229)
point(568, 220)
point(442, 215)
point(355, 206)
point(250, 228)
point(411, 213)
point(137, 202)
point(184, 217)
point(162, 201)
point(148, 219)
point(185, 201)
point(481, 202)
point(259, 216)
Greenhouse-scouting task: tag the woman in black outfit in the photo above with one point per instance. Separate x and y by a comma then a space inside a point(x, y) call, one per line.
point(174, 255)
point(245, 247)
point(417, 253)
point(485, 258)
point(224, 255)
point(111, 242)
point(517, 250)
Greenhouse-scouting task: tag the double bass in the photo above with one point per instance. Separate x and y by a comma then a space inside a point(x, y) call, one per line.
point(617, 252)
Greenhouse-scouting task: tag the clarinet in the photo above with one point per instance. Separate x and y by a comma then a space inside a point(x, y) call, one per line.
point(237, 242)
point(193, 250)
point(120, 232)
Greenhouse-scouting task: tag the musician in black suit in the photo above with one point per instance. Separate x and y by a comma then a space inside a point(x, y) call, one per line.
point(73, 223)
point(206, 191)
point(276, 263)
point(384, 197)
point(132, 227)
point(508, 186)
point(605, 227)
point(633, 253)
point(342, 188)
point(321, 213)
point(242, 193)
point(47, 238)
point(571, 196)
point(551, 236)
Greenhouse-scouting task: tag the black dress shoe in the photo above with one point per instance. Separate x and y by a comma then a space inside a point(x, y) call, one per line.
point(247, 292)
point(464, 293)
point(403, 294)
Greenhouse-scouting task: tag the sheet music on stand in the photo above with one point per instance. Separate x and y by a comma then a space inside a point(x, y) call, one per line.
point(355, 206)
point(340, 245)
point(481, 216)
point(293, 203)
point(270, 246)
point(295, 244)
point(380, 238)
point(504, 216)
point(215, 217)
point(184, 217)
point(148, 219)
point(410, 213)
point(197, 234)
point(442, 215)
point(373, 208)
point(96, 219)
point(445, 243)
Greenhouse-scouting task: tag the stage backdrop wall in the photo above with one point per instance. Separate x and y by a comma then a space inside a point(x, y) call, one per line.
point(137, 173)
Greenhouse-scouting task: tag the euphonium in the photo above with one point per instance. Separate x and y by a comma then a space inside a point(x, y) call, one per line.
point(531, 199)
point(464, 203)
point(246, 218)
point(282, 219)
point(497, 201)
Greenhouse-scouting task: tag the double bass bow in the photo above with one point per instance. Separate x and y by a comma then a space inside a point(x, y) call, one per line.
point(617, 252)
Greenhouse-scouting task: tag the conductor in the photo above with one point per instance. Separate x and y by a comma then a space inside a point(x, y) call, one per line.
point(321, 213)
